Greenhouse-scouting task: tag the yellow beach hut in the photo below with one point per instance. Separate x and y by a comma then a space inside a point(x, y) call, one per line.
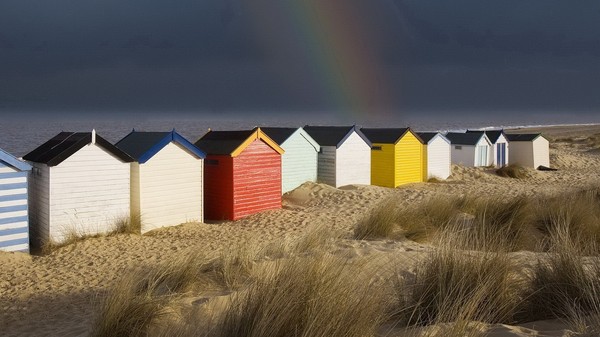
point(397, 156)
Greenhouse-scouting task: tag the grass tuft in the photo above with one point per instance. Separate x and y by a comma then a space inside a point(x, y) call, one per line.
point(139, 298)
point(456, 286)
point(305, 296)
point(512, 171)
point(380, 223)
point(129, 225)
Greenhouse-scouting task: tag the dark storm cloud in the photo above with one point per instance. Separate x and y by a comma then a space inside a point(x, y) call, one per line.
point(219, 55)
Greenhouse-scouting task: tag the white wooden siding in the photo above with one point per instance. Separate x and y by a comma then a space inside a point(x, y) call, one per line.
point(541, 152)
point(39, 204)
point(326, 172)
point(521, 153)
point(530, 154)
point(14, 225)
point(171, 188)
point(438, 158)
point(463, 155)
point(298, 162)
point(89, 193)
point(353, 162)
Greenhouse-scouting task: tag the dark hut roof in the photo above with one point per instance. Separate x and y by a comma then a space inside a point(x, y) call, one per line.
point(279, 135)
point(467, 138)
point(222, 142)
point(522, 137)
point(426, 136)
point(141, 145)
point(492, 135)
point(384, 135)
point(333, 135)
point(65, 144)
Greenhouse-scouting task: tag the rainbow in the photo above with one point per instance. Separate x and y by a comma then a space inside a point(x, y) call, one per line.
point(335, 48)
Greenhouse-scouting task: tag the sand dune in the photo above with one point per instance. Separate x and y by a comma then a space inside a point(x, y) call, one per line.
point(57, 294)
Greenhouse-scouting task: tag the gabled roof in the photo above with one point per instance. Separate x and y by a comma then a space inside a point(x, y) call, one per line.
point(280, 135)
point(333, 135)
point(467, 138)
point(492, 135)
point(12, 161)
point(142, 146)
point(233, 142)
point(65, 144)
point(426, 137)
point(522, 137)
point(387, 135)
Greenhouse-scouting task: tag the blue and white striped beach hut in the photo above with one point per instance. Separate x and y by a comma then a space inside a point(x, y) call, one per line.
point(14, 222)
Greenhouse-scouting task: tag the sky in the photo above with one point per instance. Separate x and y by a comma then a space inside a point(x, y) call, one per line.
point(351, 58)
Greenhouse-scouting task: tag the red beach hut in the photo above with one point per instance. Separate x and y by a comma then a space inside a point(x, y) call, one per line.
point(242, 173)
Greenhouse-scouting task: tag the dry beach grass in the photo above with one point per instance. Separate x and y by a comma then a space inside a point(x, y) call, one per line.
point(477, 254)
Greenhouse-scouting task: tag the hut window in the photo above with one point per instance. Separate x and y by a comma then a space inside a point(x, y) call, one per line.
point(458, 147)
point(376, 148)
point(213, 162)
point(36, 171)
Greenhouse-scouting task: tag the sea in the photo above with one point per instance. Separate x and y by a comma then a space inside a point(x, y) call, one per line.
point(21, 133)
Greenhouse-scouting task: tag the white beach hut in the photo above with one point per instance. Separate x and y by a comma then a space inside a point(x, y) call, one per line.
point(167, 179)
point(437, 148)
point(471, 149)
point(499, 147)
point(345, 156)
point(79, 185)
point(530, 150)
point(14, 222)
point(300, 159)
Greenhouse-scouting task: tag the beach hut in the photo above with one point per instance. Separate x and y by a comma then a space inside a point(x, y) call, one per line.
point(530, 150)
point(14, 222)
point(345, 156)
point(499, 146)
point(79, 185)
point(166, 179)
point(300, 159)
point(437, 149)
point(471, 149)
point(242, 173)
point(397, 156)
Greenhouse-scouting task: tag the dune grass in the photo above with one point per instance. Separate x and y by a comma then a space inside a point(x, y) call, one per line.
point(140, 297)
point(320, 295)
point(73, 234)
point(452, 285)
point(380, 223)
point(512, 171)
point(292, 287)
point(304, 292)
point(575, 213)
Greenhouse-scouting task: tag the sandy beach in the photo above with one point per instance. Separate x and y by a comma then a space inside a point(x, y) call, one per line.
point(58, 294)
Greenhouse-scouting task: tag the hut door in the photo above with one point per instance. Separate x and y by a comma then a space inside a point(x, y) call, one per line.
point(481, 156)
point(501, 154)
